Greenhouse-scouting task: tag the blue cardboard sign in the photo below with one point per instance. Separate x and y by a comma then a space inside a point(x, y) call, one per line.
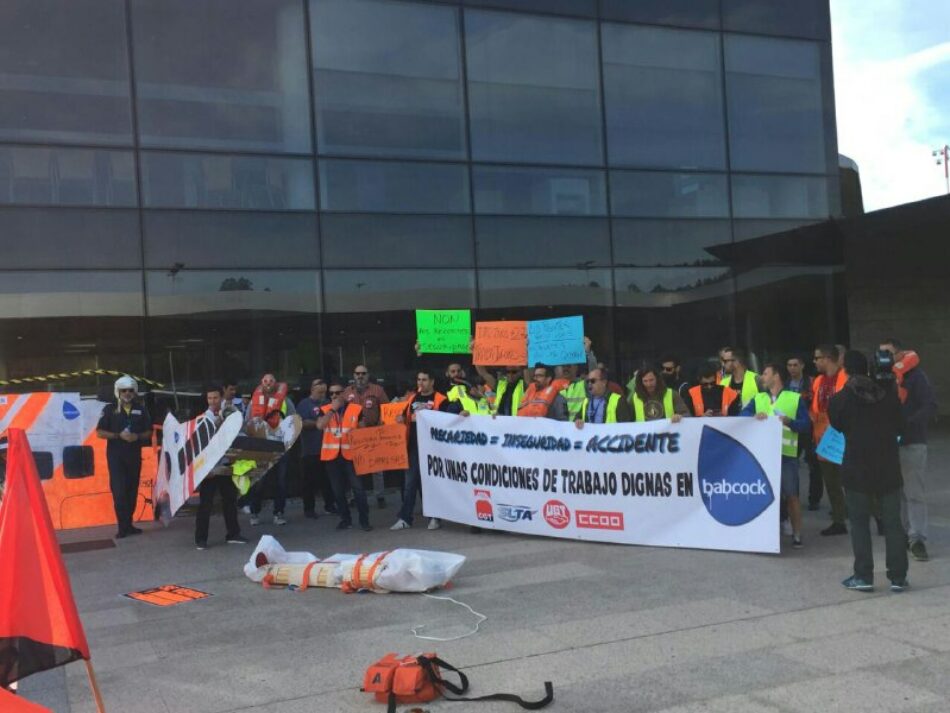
point(556, 341)
point(831, 446)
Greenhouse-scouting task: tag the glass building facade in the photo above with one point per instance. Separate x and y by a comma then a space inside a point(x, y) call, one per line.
point(193, 189)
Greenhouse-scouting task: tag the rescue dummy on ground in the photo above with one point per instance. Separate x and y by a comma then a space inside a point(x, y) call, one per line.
point(399, 570)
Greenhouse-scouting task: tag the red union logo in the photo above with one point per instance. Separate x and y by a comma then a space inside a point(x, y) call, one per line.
point(599, 520)
point(556, 514)
point(483, 506)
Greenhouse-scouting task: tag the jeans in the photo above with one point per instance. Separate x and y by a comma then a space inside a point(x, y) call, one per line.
point(125, 468)
point(279, 471)
point(914, 496)
point(315, 478)
point(341, 474)
point(859, 511)
point(224, 485)
point(412, 486)
point(831, 474)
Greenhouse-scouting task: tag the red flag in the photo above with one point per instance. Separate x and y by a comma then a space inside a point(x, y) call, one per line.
point(39, 624)
point(17, 704)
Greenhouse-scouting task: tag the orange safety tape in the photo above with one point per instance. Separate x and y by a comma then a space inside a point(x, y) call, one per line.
point(305, 582)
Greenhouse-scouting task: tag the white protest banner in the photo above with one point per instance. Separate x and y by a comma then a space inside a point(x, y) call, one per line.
point(708, 483)
point(190, 451)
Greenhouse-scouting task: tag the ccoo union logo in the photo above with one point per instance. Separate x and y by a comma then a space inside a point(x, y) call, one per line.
point(732, 484)
point(556, 514)
point(515, 513)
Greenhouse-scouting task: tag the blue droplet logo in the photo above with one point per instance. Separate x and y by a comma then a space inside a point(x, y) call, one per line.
point(733, 486)
point(70, 412)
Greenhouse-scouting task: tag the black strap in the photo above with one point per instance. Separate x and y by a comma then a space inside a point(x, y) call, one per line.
point(427, 665)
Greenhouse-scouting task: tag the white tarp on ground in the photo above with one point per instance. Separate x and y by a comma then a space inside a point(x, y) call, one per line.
point(710, 483)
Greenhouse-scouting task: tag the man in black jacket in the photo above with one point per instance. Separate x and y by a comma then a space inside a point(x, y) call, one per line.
point(919, 405)
point(869, 416)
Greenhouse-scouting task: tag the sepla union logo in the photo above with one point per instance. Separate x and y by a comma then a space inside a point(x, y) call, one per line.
point(556, 514)
point(732, 484)
point(514, 513)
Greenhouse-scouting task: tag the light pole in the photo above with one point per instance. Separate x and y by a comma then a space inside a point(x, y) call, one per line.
point(943, 157)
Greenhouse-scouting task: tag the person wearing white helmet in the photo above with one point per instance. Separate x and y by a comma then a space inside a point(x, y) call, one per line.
point(127, 427)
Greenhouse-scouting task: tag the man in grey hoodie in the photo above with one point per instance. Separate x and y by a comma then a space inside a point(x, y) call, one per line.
point(869, 416)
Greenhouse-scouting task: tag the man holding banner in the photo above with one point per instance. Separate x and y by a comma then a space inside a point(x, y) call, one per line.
point(601, 406)
point(543, 398)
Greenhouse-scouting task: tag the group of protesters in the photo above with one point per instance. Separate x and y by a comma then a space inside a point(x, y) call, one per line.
point(884, 418)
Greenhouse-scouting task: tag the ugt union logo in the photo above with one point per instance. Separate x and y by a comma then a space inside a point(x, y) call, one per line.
point(732, 484)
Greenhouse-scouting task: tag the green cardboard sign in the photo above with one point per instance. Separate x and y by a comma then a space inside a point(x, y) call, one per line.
point(444, 331)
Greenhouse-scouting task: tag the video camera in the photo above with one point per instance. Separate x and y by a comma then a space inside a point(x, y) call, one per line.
point(882, 367)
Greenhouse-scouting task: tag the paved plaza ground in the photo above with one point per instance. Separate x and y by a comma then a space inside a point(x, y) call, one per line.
point(616, 628)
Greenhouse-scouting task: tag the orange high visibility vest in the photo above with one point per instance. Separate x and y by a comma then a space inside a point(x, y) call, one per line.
point(536, 403)
point(699, 408)
point(820, 418)
point(437, 400)
point(336, 435)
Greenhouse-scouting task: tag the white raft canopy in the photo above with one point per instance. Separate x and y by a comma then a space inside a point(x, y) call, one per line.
point(399, 570)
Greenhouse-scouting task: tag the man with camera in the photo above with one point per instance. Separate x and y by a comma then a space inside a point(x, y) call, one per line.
point(868, 413)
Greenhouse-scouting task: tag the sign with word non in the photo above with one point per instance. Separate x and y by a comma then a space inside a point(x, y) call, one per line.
point(443, 331)
point(556, 341)
point(500, 344)
point(379, 448)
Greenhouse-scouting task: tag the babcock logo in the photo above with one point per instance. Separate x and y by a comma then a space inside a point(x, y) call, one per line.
point(733, 486)
point(70, 412)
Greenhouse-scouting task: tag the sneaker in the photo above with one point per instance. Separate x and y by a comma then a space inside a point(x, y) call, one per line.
point(856, 583)
point(381, 502)
point(786, 528)
point(279, 518)
point(344, 525)
point(919, 551)
point(237, 540)
point(366, 528)
point(797, 542)
point(255, 520)
point(835, 528)
point(133, 530)
point(434, 523)
point(899, 585)
point(201, 545)
point(310, 515)
point(246, 509)
point(400, 525)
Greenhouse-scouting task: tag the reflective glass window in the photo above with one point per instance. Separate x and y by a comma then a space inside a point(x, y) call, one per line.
point(747, 229)
point(64, 71)
point(585, 8)
point(547, 287)
point(655, 194)
point(64, 176)
point(36, 238)
point(239, 289)
point(396, 240)
point(390, 290)
point(681, 13)
point(542, 241)
point(780, 196)
point(539, 191)
point(534, 89)
point(221, 74)
point(668, 242)
point(387, 79)
point(177, 180)
point(776, 115)
point(64, 293)
point(179, 239)
point(389, 187)
point(663, 97)
point(801, 18)
point(667, 287)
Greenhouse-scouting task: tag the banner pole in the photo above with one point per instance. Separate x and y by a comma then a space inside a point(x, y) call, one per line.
point(94, 685)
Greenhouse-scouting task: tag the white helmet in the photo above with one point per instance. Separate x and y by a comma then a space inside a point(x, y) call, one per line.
point(126, 382)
